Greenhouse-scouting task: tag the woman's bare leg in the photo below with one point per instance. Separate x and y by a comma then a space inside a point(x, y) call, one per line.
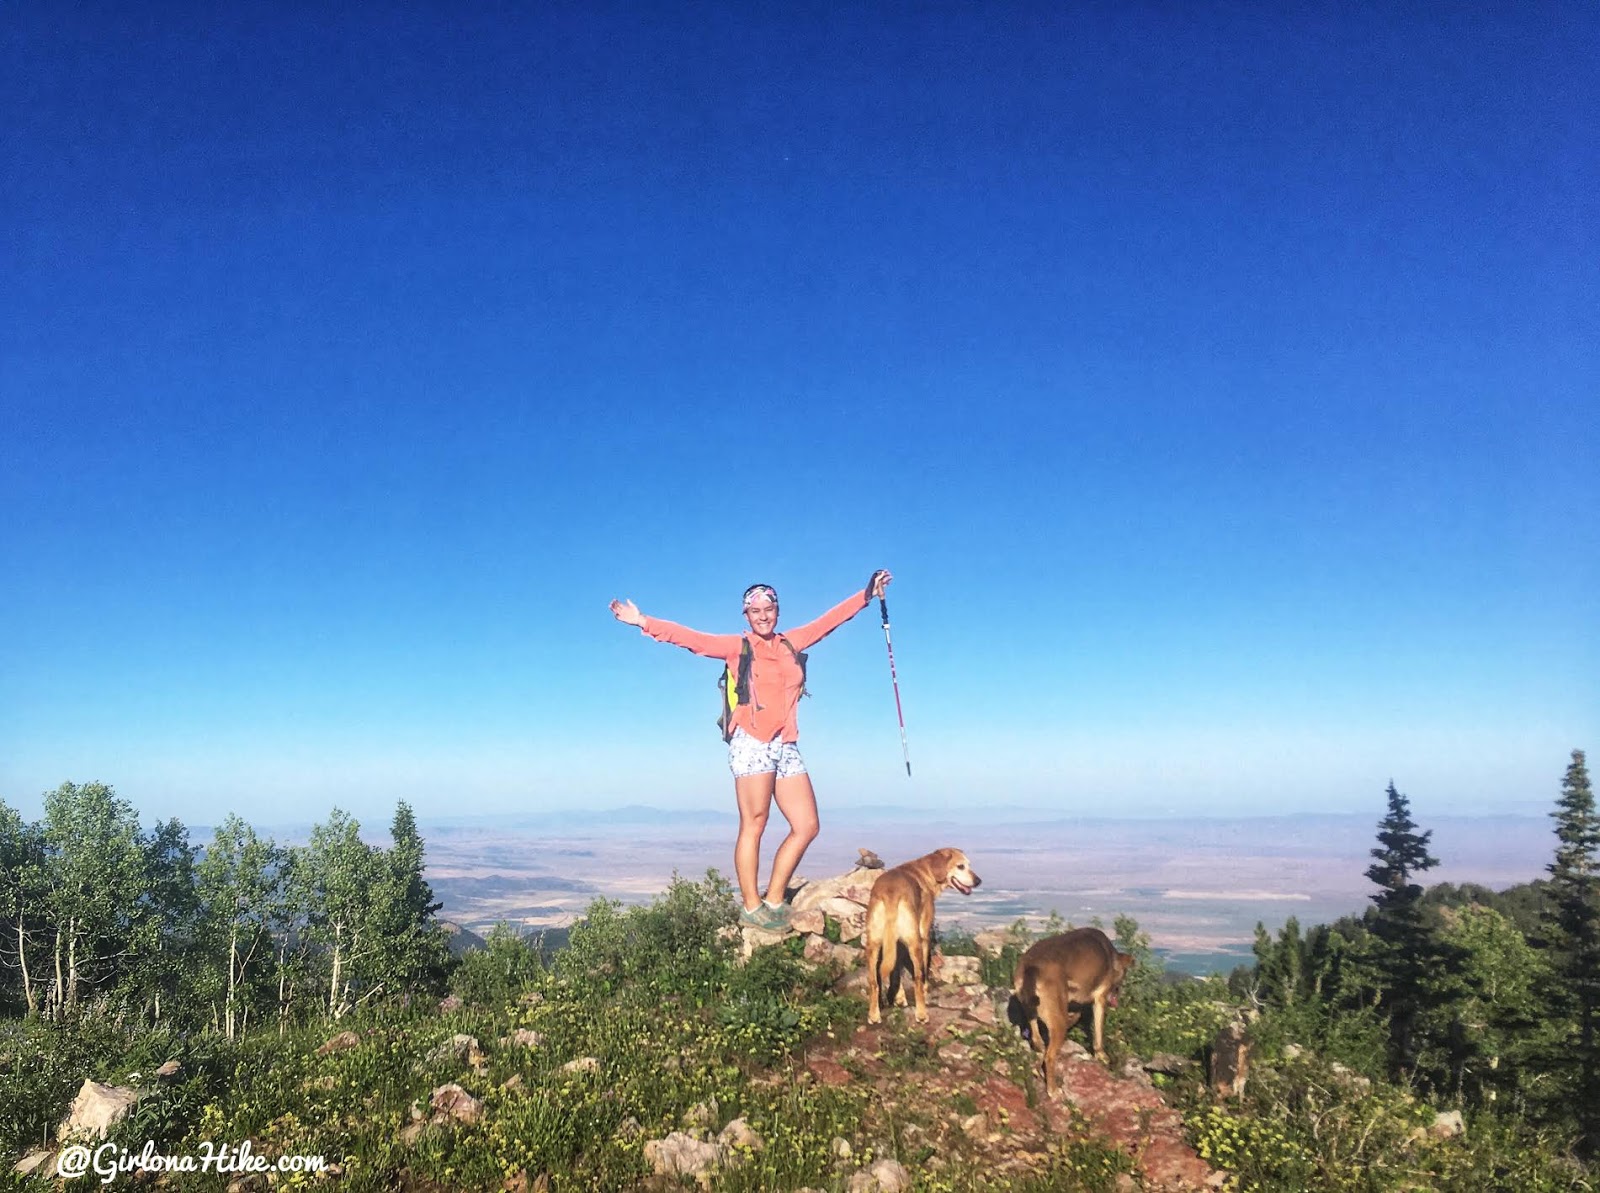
point(798, 803)
point(754, 793)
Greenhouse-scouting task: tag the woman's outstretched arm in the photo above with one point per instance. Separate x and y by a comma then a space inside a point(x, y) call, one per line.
point(813, 632)
point(712, 646)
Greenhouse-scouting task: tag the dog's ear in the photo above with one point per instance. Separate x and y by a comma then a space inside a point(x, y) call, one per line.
point(944, 861)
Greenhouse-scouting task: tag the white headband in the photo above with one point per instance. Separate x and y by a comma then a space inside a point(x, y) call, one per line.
point(760, 590)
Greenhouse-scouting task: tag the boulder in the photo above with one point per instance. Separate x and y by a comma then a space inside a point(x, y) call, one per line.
point(807, 923)
point(682, 1155)
point(754, 938)
point(460, 1049)
point(1167, 1062)
point(1448, 1123)
point(32, 1162)
point(992, 941)
point(851, 915)
point(584, 1064)
point(739, 1134)
point(958, 998)
point(452, 1102)
point(818, 950)
point(886, 1176)
point(855, 886)
point(957, 971)
point(859, 887)
point(97, 1108)
point(169, 1070)
point(523, 1038)
point(1230, 1061)
point(342, 1042)
point(983, 1012)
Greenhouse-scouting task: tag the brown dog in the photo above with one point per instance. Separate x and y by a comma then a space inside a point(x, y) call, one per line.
point(1077, 968)
point(900, 912)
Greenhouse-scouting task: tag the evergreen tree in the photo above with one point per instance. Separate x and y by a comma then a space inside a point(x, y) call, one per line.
point(413, 946)
point(1572, 933)
point(1407, 955)
point(1280, 964)
point(1401, 853)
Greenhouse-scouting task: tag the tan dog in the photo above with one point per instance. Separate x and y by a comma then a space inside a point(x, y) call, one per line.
point(1077, 968)
point(900, 912)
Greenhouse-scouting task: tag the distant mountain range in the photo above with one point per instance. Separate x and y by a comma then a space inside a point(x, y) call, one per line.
point(1022, 816)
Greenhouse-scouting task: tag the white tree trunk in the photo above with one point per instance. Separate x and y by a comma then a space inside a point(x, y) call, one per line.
point(233, 955)
point(338, 962)
point(22, 958)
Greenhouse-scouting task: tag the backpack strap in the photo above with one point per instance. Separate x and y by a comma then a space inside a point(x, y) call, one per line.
point(800, 658)
point(735, 684)
point(737, 691)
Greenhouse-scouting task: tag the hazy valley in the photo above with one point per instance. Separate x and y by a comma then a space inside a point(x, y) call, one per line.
point(1198, 886)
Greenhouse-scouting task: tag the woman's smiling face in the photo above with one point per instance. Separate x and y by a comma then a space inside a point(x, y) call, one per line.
point(762, 613)
point(761, 608)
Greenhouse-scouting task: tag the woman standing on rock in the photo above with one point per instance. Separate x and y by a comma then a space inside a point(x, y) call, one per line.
point(766, 672)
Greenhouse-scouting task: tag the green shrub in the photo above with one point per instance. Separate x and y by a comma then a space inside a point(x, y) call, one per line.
point(509, 963)
point(676, 945)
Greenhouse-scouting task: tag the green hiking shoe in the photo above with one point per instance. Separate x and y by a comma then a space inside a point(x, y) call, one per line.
point(767, 919)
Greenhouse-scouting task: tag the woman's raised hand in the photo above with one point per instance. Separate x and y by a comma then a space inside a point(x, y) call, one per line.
point(876, 585)
point(627, 613)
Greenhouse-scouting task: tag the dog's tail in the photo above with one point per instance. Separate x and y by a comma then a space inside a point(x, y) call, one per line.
point(1025, 990)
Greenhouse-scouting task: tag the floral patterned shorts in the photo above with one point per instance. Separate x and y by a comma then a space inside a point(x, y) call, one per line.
point(747, 756)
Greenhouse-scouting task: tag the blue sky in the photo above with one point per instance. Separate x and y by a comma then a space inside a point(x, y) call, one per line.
point(1220, 387)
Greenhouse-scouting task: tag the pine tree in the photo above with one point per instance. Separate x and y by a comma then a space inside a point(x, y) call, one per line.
point(1572, 933)
point(415, 951)
point(1402, 852)
point(1407, 955)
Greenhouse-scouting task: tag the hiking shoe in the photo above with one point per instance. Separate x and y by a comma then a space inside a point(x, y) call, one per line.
point(780, 914)
point(767, 919)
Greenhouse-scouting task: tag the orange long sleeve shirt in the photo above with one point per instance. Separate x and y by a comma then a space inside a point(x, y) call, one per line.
point(775, 678)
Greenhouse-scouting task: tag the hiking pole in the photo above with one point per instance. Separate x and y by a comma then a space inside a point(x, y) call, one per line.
point(883, 607)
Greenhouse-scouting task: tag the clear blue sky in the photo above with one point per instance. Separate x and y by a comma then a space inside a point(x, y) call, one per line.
point(1220, 387)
